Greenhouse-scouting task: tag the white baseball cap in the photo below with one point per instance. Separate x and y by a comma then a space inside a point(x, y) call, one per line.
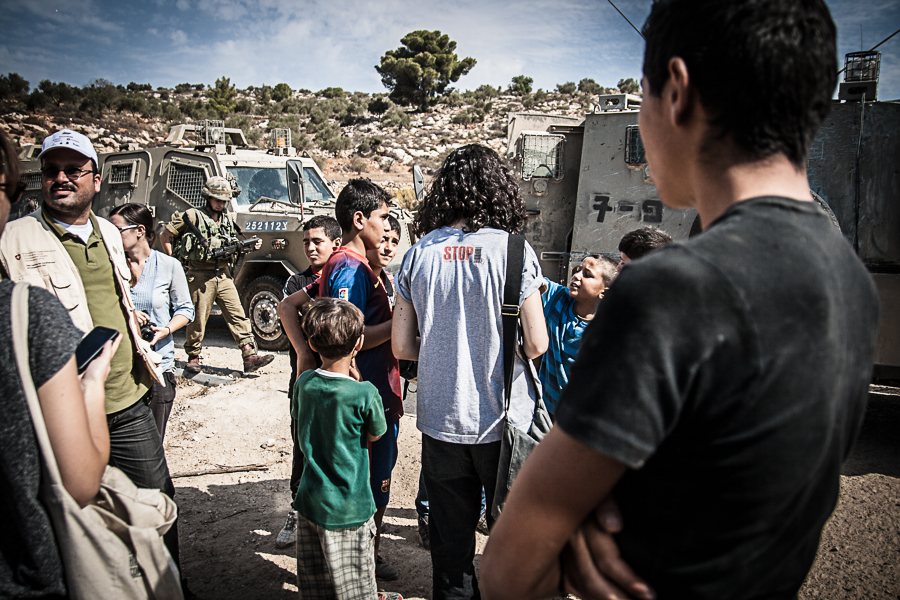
point(66, 138)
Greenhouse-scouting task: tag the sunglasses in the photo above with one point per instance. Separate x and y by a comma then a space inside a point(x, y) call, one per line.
point(127, 227)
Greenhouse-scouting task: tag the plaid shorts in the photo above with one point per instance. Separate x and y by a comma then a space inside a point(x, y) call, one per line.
point(336, 564)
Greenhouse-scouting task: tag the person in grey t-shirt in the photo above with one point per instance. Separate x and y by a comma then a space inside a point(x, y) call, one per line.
point(449, 289)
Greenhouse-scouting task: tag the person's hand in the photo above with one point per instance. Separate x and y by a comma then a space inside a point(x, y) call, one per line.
point(142, 317)
point(98, 369)
point(258, 245)
point(354, 371)
point(161, 332)
point(592, 566)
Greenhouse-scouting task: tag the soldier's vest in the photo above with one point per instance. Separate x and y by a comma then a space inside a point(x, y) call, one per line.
point(190, 246)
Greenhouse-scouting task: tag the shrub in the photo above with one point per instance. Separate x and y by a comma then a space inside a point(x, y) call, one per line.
point(589, 86)
point(244, 105)
point(379, 106)
point(182, 88)
point(359, 165)
point(521, 85)
point(336, 144)
point(301, 141)
point(567, 88)
point(396, 117)
point(332, 92)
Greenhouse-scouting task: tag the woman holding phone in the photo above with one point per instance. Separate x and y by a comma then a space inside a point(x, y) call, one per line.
point(74, 412)
point(160, 292)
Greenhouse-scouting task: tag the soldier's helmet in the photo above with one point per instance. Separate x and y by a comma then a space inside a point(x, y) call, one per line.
point(217, 187)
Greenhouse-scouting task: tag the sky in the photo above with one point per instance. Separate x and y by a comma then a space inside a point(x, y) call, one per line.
point(314, 44)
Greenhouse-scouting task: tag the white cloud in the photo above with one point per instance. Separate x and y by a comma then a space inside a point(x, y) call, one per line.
point(178, 37)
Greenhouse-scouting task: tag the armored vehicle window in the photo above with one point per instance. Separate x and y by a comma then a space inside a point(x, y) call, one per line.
point(271, 182)
point(257, 182)
point(33, 181)
point(186, 182)
point(634, 146)
point(541, 155)
point(314, 188)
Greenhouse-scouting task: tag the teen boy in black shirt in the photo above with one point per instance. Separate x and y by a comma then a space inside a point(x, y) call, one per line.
point(723, 379)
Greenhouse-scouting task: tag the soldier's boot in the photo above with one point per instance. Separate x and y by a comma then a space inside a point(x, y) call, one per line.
point(253, 362)
point(193, 364)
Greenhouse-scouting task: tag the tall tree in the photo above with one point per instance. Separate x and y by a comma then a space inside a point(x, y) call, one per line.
point(221, 97)
point(281, 92)
point(13, 85)
point(420, 70)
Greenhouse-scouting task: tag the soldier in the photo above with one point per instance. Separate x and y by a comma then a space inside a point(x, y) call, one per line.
point(195, 232)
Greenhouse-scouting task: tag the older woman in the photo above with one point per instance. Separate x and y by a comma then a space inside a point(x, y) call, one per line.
point(449, 288)
point(160, 291)
point(74, 413)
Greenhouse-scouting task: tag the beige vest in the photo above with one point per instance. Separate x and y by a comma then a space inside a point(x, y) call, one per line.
point(30, 251)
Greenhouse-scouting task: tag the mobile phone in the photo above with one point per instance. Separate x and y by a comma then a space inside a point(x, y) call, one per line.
point(91, 346)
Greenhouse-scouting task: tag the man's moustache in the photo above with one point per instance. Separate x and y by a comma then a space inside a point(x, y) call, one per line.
point(64, 186)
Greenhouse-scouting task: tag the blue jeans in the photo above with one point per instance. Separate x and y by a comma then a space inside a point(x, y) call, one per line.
point(455, 475)
point(136, 448)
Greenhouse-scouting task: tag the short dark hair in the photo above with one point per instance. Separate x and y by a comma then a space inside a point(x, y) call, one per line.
point(607, 268)
point(359, 195)
point(476, 185)
point(333, 326)
point(137, 214)
point(394, 225)
point(327, 224)
point(641, 242)
point(765, 70)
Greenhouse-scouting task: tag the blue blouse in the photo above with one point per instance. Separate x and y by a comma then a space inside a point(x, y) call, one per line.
point(162, 288)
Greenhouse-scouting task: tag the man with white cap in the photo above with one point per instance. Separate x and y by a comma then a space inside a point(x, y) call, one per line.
point(66, 249)
point(190, 236)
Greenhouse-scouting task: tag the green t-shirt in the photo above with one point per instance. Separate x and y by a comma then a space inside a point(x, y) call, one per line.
point(334, 413)
point(128, 379)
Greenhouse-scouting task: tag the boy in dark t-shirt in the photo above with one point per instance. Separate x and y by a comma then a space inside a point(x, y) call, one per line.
point(321, 237)
point(723, 379)
point(362, 211)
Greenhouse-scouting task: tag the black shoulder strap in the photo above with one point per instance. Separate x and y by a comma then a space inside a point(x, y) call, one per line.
point(512, 288)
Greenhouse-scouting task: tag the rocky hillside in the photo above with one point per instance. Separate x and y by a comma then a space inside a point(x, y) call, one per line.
point(346, 133)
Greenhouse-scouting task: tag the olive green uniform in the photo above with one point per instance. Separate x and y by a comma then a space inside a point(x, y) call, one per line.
point(206, 284)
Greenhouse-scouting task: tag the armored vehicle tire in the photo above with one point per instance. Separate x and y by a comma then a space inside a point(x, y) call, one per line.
point(260, 299)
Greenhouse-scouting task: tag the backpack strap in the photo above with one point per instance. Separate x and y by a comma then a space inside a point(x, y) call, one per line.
point(509, 310)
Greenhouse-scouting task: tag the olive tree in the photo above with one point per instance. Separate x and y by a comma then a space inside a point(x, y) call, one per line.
point(420, 70)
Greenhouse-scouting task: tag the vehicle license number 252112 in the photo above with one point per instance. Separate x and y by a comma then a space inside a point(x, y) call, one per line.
point(265, 226)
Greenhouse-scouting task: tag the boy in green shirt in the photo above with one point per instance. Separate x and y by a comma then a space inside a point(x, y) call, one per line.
point(337, 417)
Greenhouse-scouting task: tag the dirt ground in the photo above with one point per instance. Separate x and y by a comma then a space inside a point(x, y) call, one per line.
point(228, 522)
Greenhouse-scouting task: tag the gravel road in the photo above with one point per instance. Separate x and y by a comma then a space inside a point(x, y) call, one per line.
point(229, 521)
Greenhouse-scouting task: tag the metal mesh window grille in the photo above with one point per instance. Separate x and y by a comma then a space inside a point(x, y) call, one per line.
point(542, 156)
point(186, 182)
point(33, 181)
point(862, 66)
point(212, 131)
point(281, 138)
point(634, 146)
point(122, 173)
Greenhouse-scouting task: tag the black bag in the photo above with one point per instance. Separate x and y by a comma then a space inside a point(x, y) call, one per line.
point(515, 445)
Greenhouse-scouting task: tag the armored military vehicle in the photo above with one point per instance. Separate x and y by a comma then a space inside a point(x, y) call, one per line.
point(586, 183)
point(279, 192)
